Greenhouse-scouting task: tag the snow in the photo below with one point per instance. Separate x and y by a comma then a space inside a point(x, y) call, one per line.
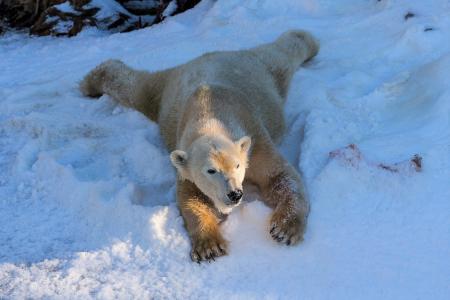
point(66, 8)
point(170, 9)
point(87, 205)
point(108, 8)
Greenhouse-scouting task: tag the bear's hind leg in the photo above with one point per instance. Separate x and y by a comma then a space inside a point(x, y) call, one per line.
point(285, 55)
point(140, 90)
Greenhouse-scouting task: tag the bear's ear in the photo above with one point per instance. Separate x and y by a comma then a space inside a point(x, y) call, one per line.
point(178, 158)
point(244, 143)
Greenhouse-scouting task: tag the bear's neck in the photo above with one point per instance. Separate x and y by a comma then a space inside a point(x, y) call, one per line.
point(211, 111)
point(213, 128)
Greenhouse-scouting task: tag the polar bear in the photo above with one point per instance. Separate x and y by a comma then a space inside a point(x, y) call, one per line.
point(221, 117)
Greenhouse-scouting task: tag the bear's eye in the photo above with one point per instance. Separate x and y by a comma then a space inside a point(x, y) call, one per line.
point(237, 167)
point(211, 171)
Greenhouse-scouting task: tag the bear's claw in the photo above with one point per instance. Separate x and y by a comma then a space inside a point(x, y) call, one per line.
point(207, 249)
point(287, 228)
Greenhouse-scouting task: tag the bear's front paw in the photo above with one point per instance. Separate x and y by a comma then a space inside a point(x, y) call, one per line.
point(207, 248)
point(287, 226)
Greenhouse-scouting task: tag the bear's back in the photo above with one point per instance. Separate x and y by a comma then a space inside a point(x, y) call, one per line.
point(249, 85)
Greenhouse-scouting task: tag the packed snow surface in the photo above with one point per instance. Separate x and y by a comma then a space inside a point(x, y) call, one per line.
point(87, 207)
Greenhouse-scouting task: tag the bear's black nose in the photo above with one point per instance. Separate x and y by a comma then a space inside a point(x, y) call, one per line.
point(235, 196)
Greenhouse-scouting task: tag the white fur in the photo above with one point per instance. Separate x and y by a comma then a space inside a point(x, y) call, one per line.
point(208, 104)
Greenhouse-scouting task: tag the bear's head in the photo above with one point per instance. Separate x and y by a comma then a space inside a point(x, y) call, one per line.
point(216, 165)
